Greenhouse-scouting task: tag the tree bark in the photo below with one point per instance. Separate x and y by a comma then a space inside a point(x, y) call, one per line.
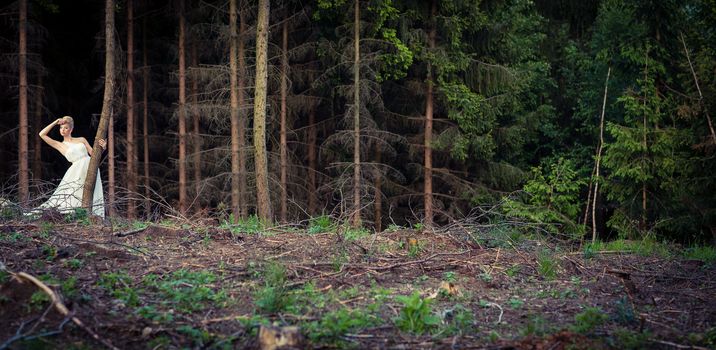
point(599, 158)
point(111, 179)
point(428, 148)
point(131, 142)
point(378, 193)
point(196, 142)
point(283, 152)
point(356, 217)
point(243, 115)
point(312, 139)
point(145, 118)
point(23, 176)
point(263, 199)
point(234, 97)
point(182, 111)
point(37, 161)
point(104, 120)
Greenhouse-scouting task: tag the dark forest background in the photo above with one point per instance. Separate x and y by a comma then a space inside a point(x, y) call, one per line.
point(518, 90)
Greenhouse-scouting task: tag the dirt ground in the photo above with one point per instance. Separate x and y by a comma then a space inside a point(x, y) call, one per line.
point(169, 286)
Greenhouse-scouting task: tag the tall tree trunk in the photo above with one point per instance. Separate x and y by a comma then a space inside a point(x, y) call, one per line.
point(312, 138)
point(378, 193)
point(37, 161)
point(283, 153)
point(698, 88)
point(234, 93)
point(182, 110)
point(263, 200)
point(428, 148)
point(145, 118)
point(356, 218)
point(196, 142)
point(131, 142)
point(24, 176)
point(111, 179)
point(104, 120)
point(243, 116)
point(599, 158)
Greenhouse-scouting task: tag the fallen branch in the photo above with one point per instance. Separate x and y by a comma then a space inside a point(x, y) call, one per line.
point(678, 346)
point(389, 267)
point(61, 308)
point(131, 232)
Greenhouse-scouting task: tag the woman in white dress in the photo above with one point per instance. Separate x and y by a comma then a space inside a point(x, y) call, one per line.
point(77, 150)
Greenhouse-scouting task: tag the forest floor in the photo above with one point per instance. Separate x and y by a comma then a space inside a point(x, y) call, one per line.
point(169, 285)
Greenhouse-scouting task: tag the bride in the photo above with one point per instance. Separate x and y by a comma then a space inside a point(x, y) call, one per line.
point(68, 194)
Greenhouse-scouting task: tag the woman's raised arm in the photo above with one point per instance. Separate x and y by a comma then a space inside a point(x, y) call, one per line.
point(43, 135)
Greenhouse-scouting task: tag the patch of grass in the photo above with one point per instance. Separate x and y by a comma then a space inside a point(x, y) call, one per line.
point(251, 225)
point(69, 287)
point(4, 276)
point(73, 263)
point(79, 215)
point(118, 285)
point(515, 303)
point(45, 229)
point(644, 247)
point(513, 270)
point(273, 296)
point(352, 234)
point(321, 224)
point(537, 326)
point(707, 254)
point(546, 265)
point(151, 313)
point(38, 300)
point(186, 291)
point(13, 237)
point(587, 320)
point(707, 338)
point(629, 340)
point(335, 324)
point(416, 316)
point(457, 320)
point(199, 337)
point(450, 276)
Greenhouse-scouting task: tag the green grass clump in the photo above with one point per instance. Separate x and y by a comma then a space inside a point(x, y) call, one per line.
point(707, 254)
point(644, 247)
point(416, 316)
point(336, 324)
point(321, 224)
point(186, 291)
point(273, 296)
point(588, 320)
point(546, 265)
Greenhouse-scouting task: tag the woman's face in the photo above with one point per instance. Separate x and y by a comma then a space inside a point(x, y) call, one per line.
point(65, 130)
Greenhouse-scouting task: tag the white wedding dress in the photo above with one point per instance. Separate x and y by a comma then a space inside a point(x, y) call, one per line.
point(68, 194)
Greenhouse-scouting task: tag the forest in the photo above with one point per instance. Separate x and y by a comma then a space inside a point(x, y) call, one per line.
point(500, 174)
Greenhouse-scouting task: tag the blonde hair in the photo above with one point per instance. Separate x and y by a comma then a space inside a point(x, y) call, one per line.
point(69, 121)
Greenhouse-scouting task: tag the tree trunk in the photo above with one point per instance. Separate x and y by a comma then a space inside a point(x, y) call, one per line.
point(24, 176)
point(243, 205)
point(234, 93)
point(182, 111)
point(131, 142)
point(312, 138)
point(196, 142)
point(428, 150)
point(698, 88)
point(263, 201)
point(283, 153)
point(104, 120)
point(378, 193)
point(356, 218)
point(145, 118)
point(599, 158)
point(37, 161)
point(111, 180)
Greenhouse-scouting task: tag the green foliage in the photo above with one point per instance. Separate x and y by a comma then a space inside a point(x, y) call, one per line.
point(250, 225)
point(335, 324)
point(119, 286)
point(199, 337)
point(186, 291)
point(79, 215)
point(352, 234)
point(587, 320)
point(630, 340)
point(416, 316)
point(553, 198)
point(546, 265)
point(536, 326)
point(321, 224)
point(273, 296)
point(643, 247)
point(707, 254)
point(73, 263)
point(457, 320)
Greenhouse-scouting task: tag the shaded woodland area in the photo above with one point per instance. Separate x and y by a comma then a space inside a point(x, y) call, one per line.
point(375, 173)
